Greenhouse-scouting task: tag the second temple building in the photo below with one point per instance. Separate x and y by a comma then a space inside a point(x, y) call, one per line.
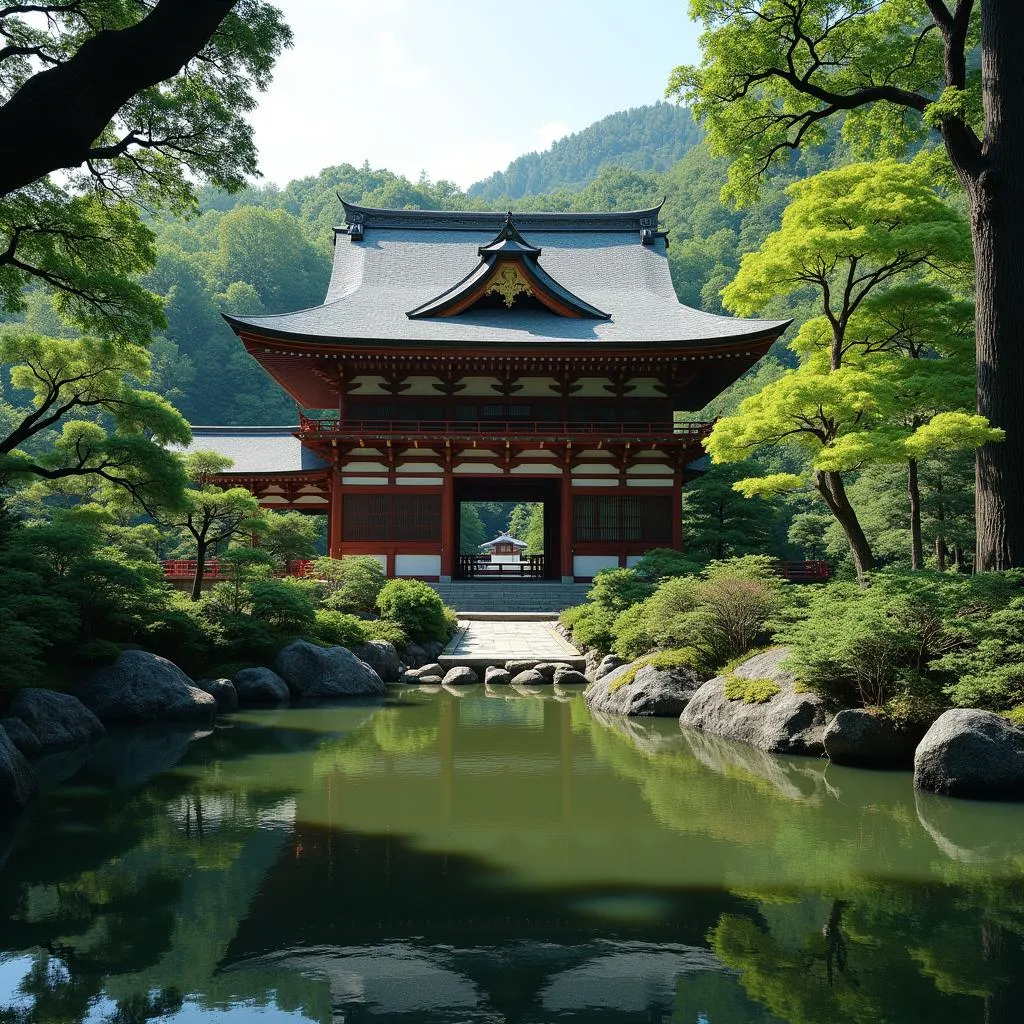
point(488, 357)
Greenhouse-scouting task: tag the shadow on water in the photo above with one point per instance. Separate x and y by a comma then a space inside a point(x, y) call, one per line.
point(468, 857)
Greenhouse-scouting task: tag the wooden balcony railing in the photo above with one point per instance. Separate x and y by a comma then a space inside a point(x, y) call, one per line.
point(480, 567)
point(693, 430)
point(185, 569)
point(812, 571)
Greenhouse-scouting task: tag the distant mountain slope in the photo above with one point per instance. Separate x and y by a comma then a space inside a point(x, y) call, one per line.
point(650, 138)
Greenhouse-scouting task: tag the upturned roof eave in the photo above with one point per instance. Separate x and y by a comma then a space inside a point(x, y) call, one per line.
point(773, 330)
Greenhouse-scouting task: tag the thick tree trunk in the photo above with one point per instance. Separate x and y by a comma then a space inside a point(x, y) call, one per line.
point(830, 487)
point(197, 583)
point(941, 551)
point(914, 493)
point(997, 215)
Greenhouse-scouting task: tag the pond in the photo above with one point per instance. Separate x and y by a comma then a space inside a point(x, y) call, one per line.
point(508, 858)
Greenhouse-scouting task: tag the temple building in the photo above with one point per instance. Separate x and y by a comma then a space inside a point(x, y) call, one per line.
point(462, 357)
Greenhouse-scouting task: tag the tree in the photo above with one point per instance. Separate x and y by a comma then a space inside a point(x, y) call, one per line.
point(289, 536)
point(718, 522)
point(212, 516)
point(775, 71)
point(132, 103)
point(526, 522)
point(471, 530)
point(846, 234)
point(73, 411)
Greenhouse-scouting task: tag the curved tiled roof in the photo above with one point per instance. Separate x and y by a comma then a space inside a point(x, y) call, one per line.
point(399, 260)
point(257, 450)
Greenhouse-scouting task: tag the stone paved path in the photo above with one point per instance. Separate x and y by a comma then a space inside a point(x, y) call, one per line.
point(509, 641)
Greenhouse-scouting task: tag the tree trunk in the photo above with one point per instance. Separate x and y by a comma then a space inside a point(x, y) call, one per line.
point(941, 552)
point(914, 493)
point(830, 487)
point(997, 212)
point(197, 583)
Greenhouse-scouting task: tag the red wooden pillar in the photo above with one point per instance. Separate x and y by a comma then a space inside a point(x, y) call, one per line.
point(677, 512)
point(565, 542)
point(449, 542)
point(334, 521)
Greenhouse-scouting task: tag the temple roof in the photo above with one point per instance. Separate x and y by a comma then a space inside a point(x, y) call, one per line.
point(257, 450)
point(390, 262)
point(504, 538)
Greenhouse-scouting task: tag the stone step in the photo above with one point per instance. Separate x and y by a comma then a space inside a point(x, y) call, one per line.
point(535, 596)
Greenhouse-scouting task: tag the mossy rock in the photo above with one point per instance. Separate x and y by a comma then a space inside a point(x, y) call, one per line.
point(751, 691)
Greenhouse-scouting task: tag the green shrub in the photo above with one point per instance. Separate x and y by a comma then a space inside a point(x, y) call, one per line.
point(617, 589)
point(417, 608)
point(908, 633)
point(349, 584)
point(338, 629)
point(750, 691)
point(662, 563)
point(632, 632)
point(283, 604)
point(385, 629)
point(591, 626)
point(989, 672)
point(98, 652)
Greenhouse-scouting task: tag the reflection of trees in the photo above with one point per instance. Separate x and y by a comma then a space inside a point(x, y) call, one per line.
point(882, 953)
point(394, 735)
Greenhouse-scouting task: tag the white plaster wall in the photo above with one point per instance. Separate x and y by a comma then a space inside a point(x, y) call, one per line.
point(419, 481)
point(481, 467)
point(417, 565)
point(595, 482)
point(535, 468)
point(363, 480)
point(589, 565)
point(661, 482)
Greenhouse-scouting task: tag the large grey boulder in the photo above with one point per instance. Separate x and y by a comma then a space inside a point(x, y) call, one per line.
point(788, 723)
point(222, 691)
point(414, 656)
point(143, 687)
point(432, 649)
point(859, 737)
point(22, 737)
point(430, 669)
point(653, 691)
point(548, 668)
point(382, 657)
point(971, 753)
point(17, 780)
point(261, 686)
point(515, 667)
point(528, 677)
point(57, 721)
point(495, 675)
point(609, 663)
point(460, 675)
point(315, 672)
point(569, 677)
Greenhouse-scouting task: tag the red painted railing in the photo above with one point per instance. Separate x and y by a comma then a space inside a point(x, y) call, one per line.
point(185, 569)
point(813, 571)
point(553, 429)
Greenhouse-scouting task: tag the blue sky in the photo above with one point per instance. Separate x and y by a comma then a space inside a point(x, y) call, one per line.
point(454, 87)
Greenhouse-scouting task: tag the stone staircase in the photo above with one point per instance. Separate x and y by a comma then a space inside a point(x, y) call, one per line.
point(511, 596)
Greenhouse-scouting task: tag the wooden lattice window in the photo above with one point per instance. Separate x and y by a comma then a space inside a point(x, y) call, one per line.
point(391, 517)
point(622, 518)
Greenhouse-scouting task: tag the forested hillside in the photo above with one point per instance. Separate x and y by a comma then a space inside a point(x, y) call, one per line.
point(648, 138)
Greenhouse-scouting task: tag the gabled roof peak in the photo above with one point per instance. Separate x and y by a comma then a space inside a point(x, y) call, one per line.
point(509, 241)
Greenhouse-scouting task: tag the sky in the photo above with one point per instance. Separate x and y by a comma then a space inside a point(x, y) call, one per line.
point(457, 88)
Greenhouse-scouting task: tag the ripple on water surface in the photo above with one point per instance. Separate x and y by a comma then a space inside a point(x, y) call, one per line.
point(501, 857)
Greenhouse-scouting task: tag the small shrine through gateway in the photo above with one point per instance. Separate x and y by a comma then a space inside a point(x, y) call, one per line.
point(470, 356)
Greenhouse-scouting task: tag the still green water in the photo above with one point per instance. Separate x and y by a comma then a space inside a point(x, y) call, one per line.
point(509, 858)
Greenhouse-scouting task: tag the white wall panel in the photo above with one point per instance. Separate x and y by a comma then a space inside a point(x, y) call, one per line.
point(419, 481)
point(417, 565)
point(589, 565)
